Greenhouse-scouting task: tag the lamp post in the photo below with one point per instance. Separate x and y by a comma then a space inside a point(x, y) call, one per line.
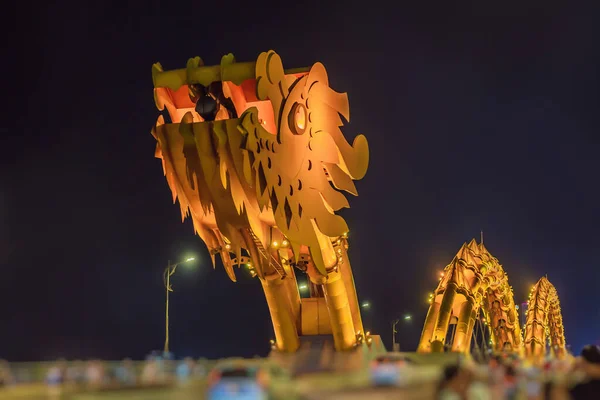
point(396, 346)
point(170, 270)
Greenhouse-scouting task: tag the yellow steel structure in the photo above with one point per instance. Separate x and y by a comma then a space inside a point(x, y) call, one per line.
point(475, 282)
point(544, 322)
point(256, 157)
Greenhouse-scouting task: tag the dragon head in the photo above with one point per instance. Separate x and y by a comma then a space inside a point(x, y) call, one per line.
point(278, 169)
point(301, 164)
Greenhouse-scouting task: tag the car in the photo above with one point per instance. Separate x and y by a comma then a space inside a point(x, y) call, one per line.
point(238, 380)
point(386, 370)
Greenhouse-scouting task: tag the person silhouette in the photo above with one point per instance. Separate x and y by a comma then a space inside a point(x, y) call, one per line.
point(589, 366)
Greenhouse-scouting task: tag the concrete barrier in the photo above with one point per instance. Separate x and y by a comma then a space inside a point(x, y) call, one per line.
point(438, 359)
point(317, 355)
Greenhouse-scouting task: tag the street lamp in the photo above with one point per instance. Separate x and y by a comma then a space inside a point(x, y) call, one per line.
point(396, 346)
point(365, 305)
point(170, 270)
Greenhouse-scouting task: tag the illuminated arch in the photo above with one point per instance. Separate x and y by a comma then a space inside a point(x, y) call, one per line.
point(474, 281)
point(544, 322)
point(256, 157)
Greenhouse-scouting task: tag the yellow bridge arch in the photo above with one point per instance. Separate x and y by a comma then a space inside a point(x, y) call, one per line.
point(474, 286)
point(544, 322)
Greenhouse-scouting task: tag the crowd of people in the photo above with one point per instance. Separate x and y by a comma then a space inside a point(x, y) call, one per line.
point(501, 377)
point(512, 378)
point(99, 374)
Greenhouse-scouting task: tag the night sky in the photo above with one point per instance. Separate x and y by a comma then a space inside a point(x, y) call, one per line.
point(478, 118)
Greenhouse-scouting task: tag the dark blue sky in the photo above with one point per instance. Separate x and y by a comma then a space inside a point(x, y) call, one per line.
point(481, 117)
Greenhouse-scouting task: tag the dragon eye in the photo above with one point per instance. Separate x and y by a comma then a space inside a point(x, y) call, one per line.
point(298, 119)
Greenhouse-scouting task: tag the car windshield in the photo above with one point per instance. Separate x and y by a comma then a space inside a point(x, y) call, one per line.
point(238, 373)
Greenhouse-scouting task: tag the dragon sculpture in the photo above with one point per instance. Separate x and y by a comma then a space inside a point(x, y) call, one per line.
point(255, 156)
point(474, 288)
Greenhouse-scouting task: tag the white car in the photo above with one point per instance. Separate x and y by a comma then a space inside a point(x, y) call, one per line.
point(249, 380)
point(388, 370)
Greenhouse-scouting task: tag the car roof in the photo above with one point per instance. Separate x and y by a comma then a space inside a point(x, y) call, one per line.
point(237, 363)
point(392, 357)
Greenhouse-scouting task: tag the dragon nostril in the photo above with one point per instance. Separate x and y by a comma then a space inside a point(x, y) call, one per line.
point(206, 106)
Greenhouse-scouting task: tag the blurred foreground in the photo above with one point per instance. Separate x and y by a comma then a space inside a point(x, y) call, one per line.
point(381, 375)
